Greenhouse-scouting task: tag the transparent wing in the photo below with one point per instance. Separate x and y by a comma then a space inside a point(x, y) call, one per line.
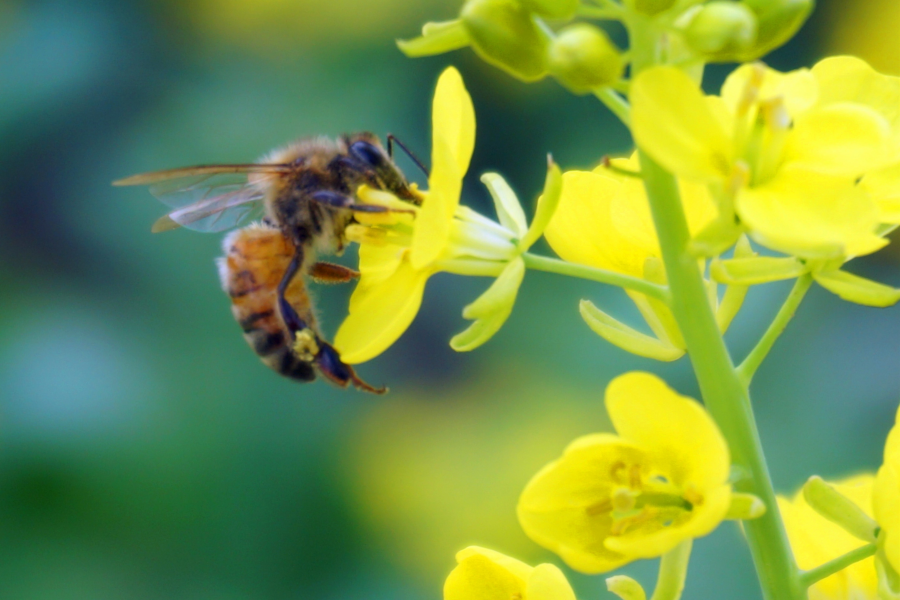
point(208, 198)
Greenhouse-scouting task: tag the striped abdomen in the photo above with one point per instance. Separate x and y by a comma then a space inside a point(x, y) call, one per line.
point(256, 258)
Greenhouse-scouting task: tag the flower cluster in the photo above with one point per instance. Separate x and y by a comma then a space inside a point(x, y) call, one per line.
point(805, 165)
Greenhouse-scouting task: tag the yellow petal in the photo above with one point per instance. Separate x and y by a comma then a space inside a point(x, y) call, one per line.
point(517, 568)
point(811, 215)
point(841, 139)
point(432, 228)
point(849, 79)
point(563, 507)
point(453, 119)
point(382, 315)
point(583, 231)
point(884, 187)
point(547, 582)
point(682, 439)
point(656, 539)
point(477, 577)
point(673, 123)
point(798, 89)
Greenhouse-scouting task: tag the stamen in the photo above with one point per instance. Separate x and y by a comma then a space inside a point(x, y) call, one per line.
point(623, 500)
point(363, 234)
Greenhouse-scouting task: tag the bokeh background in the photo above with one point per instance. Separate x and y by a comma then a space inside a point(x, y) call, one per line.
point(145, 453)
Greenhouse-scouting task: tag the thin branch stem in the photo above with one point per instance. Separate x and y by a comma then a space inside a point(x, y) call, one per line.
point(561, 267)
point(807, 578)
point(673, 568)
point(615, 103)
point(748, 368)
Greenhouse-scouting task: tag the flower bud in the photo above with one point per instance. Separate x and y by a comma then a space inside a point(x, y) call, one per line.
point(778, 21)
point(552, 9)
point(582, 58)
point(649, 7)
point(504, 34)
point(722, 30)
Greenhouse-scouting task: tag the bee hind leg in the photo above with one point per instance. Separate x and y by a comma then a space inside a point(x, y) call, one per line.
point(305, 341)
point(330, 365)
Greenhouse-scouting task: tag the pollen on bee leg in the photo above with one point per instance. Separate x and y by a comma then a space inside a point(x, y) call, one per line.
point(305, 347)
point(363, 234)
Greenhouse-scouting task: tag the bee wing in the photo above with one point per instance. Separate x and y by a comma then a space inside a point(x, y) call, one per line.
point(207, 198)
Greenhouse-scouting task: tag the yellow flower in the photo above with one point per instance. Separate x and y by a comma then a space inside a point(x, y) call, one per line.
point(612, 499)
point(398, 253)
point(816, 540)
point(785, 151)
point(603, 220)
point(483, 574)
point(886, 499)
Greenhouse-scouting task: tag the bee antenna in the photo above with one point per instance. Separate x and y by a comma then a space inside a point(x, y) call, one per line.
point(391, 140)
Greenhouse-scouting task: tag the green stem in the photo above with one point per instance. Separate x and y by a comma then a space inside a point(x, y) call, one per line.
point(560, 267)
point(833, 566)
point(673, 568)
point(748, 368)
point(723, 392)
point(616, 103)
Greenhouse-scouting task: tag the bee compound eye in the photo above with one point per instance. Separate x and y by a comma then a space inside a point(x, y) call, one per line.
point(367, 153)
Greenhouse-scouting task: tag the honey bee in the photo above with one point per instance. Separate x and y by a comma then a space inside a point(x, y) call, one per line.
point(305, 193)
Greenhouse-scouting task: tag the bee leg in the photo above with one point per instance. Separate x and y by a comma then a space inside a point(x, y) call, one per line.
point(326, 272)
point(292, 320)
point(338, 200)
point(330, 365)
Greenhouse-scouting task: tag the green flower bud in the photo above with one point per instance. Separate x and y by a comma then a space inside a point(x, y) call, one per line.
point(504, 34)
point(552, 9)
point(778, 21)
point(582, 57)
point(722, 30)
point(649, 7)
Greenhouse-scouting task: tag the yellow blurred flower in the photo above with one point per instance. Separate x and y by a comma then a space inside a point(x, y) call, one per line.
point(886, 499)
point(437, 469)
point(612, 499)
point(783, 150)
point(398, 254)
point(484, 574)
point(816, 540)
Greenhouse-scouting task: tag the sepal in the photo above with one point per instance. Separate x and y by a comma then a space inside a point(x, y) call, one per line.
point(756, 270)
point(506, 203)
point(546, 206)
point(491, 309)
point(618, 334)
point(625, 587)
point(854, 288)
point(436, 38)
point(778, 21)
point(839, 509)
point(552, 9)
point(744, 507)
point(734, 295)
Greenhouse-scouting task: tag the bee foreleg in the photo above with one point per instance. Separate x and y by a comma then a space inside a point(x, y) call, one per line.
point(338, 200)
point(326, 272)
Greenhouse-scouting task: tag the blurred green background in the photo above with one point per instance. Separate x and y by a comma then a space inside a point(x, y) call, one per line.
point(145, 453)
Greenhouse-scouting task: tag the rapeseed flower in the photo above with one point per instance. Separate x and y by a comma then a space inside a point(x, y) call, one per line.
point(614, 498)
point(483, 574)
point(399, 252)
point(603, 220)
point(784, 151)
point(815, 540)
